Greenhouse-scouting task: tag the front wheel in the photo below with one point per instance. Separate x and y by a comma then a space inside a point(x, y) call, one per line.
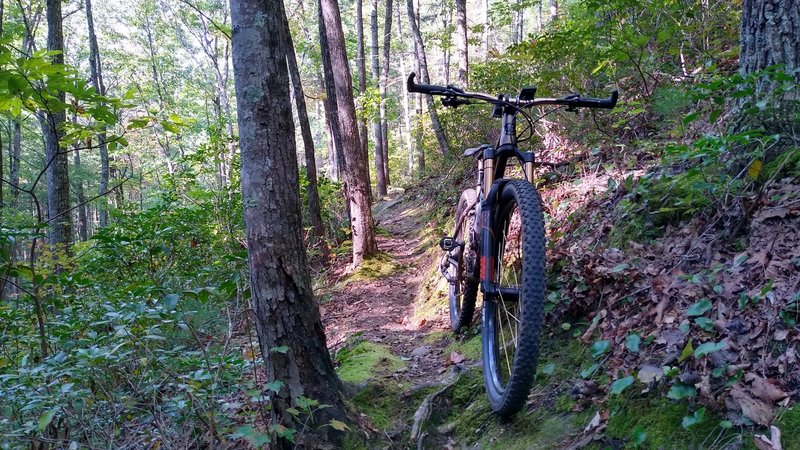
point(512, 319)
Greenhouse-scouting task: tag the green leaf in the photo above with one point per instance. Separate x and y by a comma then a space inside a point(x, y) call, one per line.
point(549, 369)
point(275, 386)
point(639, 437)
point(171, 301)
point(694, 419)
point(705, 323)
point(46, 418)
point(589, 371)
point(687, 351)
point(690, 118)
point(699, 308)
point(726, 424)
point(619, 268)
point(338, 425)
point(599, 347)
point(714, 115)
point(632, 342)
point(679, 391)
point(169, 126)
point(281, 349)
point(620, 385)
point(709, 347)
point(284, 432)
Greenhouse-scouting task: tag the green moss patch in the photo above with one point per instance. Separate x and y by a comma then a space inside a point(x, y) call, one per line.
point(661, 419)
point(375, 267)
point(469, 346)
point(363, 361)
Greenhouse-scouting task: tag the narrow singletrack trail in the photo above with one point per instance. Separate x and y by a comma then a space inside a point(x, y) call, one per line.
point(382, 309)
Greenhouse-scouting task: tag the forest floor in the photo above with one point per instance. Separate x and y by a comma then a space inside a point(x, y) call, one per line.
point(700, 328)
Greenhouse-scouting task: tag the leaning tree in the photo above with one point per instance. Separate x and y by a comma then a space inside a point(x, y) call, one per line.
point(290, 332)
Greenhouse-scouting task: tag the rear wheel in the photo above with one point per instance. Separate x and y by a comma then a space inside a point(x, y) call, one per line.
point(512, 319)
point(464, 285)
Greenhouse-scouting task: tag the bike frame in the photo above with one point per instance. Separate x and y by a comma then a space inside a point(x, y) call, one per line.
point(491, 168)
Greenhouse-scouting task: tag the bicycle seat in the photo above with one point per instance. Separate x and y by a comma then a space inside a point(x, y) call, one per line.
point(475, 150)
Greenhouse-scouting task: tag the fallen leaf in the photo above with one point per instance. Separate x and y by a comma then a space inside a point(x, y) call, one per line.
point(769, 443)
point(754, 409)
point(593, 424)
point(649, 373)
point(766, 389)
point(455, 358)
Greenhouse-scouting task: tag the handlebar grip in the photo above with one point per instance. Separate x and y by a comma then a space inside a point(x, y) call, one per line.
point(429, 89)
point(605, 103)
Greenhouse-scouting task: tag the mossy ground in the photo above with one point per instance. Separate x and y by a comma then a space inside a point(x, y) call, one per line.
point(375, 267)
point(361, 361)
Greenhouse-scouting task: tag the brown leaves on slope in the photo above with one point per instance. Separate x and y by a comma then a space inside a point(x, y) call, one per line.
point(690, 288)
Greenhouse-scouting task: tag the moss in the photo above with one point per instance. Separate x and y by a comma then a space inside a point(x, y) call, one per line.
point(437, 336)
point(378, 266)
point(661, 419)
point(564, 404)
point(790, 168)
point(362, 361)
point(789, 423)
point(469, 346)
point(380, 402)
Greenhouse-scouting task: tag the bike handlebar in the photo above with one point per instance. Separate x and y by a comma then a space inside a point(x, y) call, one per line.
point(570, 101)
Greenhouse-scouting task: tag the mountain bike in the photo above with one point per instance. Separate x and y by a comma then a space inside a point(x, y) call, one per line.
point(498, 244)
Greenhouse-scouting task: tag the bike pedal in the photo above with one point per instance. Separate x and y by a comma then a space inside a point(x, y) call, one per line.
point(447, 243)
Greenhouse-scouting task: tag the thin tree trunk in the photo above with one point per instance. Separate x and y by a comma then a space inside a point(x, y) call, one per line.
point(286, 314)
point(553, 10)
point(380, 174)
point(356, 173)
point(387, 45)
point(424, 78)
point(60, 224)
point(406, 108)
point(15, 151)
point(83, 235)
point(96, 72)
point(362, 76)
point(308, 140)
point(463, 44)
point(447, 20)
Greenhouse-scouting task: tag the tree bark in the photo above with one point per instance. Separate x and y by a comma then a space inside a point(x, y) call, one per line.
point(419, 47)
point(285, 310)
point(96, 73)
point(463, 44)
point(356, 174)
point(308, 141)
point(15, 152)
point(83, 234)
point(362, 75)
point(380, 174)
point(770, 35)
point(387, 46)
point(553, 10)
point(406, 107)
point(52, 122)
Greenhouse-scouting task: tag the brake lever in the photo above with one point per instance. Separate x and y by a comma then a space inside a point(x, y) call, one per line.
point(454, 102)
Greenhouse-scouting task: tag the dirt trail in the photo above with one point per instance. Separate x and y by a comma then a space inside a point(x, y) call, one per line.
point(383, 309)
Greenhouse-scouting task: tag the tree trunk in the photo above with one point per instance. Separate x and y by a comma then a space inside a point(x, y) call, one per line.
point(96, 72)
point(286, 313)
point(770, 34)
point(553, 10)
point(463, 44)
point(447, 20)
point(356, 174)
point(380, 174)
point(387, 45)
point(406, 107)
point(15, 150)
point(335, 139)
point(362, 76)
point(308, 140)
point(424, 78)
point(83, 234)
point(60, 224)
